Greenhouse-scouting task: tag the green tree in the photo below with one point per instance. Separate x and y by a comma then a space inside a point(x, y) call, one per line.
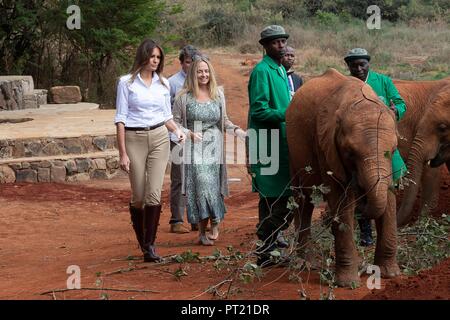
point(34, 39)
point(109, 29)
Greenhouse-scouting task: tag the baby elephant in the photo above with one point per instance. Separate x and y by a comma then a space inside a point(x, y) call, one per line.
point(337, 127)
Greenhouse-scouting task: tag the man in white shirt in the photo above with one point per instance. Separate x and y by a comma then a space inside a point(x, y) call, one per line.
point(177, 200)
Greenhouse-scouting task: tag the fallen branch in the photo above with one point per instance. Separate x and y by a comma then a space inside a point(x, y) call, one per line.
point(422, 234)
point(213, 288)
point(99, 289)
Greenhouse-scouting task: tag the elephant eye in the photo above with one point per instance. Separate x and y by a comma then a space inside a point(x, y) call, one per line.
point(442, 127)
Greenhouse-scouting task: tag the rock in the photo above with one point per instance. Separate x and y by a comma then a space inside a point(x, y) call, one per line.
point(34, 165)
point(112, 142)
point(41, 95)
point(100, 142)
point(26, 175)
point(71, 167)
point(26, 165)
point(112, 163)
point(83, 165)
point(80, 177)
point(44, 175)
point(72, 146)
point(65, 94)
point(58, 163)
point(6, 152)
point(30, 101)
point(13, 90)
point(4, 143)
point(58, 174)
point(86, 143)
point(2, 101)
point(19, 150)
point(100, 164)
point(16, 166)
point(53, 148)
point(99, 174)
point(45, 164)
point(33, 149)
point(7, 175)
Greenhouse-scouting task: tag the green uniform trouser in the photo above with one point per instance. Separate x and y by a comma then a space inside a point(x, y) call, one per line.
point(398, 166)
point(273, 217)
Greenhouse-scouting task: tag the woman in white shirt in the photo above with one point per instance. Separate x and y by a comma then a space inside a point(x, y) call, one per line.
point(142, 118)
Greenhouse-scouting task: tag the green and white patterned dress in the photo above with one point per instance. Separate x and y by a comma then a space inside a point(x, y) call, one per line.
point(203, 193)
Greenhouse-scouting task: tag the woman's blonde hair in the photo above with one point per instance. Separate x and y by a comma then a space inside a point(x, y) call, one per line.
point(191, 83)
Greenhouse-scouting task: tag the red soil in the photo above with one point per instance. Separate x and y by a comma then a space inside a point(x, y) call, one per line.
point(433, 284)
point(47, 227)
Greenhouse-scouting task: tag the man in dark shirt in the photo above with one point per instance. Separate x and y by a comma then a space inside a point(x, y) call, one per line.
point(294, 80)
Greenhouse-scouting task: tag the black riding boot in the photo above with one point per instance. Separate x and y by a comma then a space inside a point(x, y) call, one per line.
point(137, 217)
point(151, 222)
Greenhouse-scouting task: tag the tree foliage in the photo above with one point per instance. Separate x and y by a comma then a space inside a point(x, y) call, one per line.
point(34, 40)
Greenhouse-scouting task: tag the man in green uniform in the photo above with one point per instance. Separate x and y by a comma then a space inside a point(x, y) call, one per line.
point(357, 61)
point(269, 98)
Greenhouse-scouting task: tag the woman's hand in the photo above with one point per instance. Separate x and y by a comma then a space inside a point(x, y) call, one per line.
point(124, 163)
point(241, 134)
point(196, 136)
point(180, 135)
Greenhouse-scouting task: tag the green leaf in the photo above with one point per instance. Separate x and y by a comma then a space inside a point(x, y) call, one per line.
point(292, 204)
point(275, 253)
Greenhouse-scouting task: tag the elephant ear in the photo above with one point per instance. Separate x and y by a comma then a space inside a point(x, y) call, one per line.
point(327, 126)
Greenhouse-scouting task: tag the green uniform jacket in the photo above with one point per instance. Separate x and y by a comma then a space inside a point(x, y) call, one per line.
point(387, 92)
point(269, 98)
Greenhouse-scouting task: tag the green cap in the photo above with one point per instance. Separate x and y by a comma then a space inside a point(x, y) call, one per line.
point(272, 32)
point(357, 53)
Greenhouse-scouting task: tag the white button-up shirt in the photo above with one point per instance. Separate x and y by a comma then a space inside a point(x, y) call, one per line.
point(139, 105)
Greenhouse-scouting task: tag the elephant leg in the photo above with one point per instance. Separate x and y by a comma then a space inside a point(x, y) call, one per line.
point(345, 247)
point(386, 249)
point(431, 181)
point(304, 248)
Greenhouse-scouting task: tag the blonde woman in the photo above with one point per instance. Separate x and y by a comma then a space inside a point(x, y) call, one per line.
point(142, 118)
point(201, 111)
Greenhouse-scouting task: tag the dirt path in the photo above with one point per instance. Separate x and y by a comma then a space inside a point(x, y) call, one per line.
point(45, 228)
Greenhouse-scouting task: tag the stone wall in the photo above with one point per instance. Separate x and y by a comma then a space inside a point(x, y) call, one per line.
point(73, 170)
point(22, 148)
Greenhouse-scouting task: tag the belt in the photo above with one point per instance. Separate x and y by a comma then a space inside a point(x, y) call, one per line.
point(145, 128)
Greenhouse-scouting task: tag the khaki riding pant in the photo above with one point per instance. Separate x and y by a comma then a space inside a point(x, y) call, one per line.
point(149, 153)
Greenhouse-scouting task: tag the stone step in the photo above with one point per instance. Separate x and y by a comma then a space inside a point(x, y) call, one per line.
point(66, 168)
point(11, 149)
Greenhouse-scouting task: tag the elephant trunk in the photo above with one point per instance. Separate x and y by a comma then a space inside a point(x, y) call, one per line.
point(415, 165)
point(377, 184)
